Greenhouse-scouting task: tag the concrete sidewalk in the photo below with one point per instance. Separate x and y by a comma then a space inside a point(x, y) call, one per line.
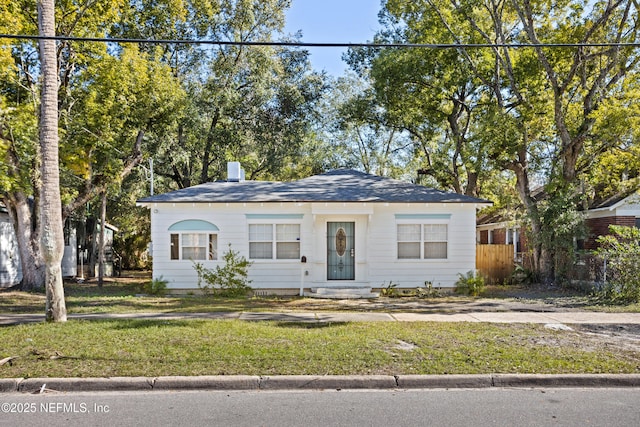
point(569, 317)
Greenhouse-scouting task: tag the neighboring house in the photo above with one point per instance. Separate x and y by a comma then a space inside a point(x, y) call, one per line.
point(343, 228)
point(494, 229)
point(615, 211)
point(10, 268)
point(77, 235)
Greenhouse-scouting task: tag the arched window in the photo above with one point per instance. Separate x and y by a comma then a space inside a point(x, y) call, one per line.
point(194, 239)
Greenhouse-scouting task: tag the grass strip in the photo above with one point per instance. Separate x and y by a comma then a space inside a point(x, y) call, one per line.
point(123, 295)
point(231, 347)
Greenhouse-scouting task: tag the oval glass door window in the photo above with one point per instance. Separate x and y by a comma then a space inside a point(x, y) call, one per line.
point(341, 241)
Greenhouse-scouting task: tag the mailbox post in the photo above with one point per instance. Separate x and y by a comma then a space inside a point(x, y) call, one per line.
point(303, 262)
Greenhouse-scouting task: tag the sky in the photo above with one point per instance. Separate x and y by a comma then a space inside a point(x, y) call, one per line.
point(333, 21)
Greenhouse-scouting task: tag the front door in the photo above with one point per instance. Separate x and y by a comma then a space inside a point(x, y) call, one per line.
point(341, 251)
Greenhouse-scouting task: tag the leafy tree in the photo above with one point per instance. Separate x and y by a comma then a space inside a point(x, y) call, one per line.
point(533, 112)
point(113, 103)
point(430, 94)
point(252, 104)
point(358, 133)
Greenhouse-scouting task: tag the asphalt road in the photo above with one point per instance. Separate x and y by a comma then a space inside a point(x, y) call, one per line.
point(460, 407)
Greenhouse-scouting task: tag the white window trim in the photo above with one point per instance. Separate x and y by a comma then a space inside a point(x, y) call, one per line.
point(208, 235)
point(274, 250)
point(422, 223)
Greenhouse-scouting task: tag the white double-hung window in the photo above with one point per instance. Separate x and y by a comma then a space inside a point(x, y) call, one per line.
point(435, 241)
point(423, 236)
point(274, 241)
point(274, 236)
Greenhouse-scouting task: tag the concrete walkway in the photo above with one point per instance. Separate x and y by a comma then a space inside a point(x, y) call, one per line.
point(569, 317)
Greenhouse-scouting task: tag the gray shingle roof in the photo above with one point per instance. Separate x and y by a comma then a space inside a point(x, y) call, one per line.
point(341, 185)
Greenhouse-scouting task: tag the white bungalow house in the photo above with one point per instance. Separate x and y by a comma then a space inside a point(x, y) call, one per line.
point(341, 229)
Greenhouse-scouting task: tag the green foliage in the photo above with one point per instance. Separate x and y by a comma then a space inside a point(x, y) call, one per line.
point(543, 116)
point(157, 286)
point(523, 276)
point(621, 249)
point(428, 291)
point(561, 223)
point(389, 290)
point(229, 280)
point(469, 283)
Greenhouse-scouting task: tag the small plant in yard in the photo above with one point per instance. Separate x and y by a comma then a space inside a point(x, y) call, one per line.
point(428, 291)
point(523, 276)
point(621, 250)
point(390, 290)
point(230, 280)
point(157, 286)
point(469, 283)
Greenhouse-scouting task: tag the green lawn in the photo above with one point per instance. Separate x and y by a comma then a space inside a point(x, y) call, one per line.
point(227, 347)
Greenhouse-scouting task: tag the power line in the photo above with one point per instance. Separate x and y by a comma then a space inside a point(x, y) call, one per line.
point(316, 45)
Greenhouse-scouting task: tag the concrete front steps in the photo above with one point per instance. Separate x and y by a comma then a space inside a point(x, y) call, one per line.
point(342, 292)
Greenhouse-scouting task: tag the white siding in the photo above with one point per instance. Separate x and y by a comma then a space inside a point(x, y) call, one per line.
point(375, 253)
point(233, 225)
point(70, 257)
point(10, 268)
point(385, 265)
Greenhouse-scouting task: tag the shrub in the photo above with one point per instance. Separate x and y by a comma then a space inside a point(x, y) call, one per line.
point(523, 276)
point(469, 284)
point(390, 290)
point(157, 286)
point(428, 291)
point(621, 250)
point(229, 280)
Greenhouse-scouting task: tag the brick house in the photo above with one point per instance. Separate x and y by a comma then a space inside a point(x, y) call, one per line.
point(496, 229)
point(614, 211)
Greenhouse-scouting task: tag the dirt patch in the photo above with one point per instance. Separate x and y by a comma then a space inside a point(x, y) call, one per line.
point(624, 337)
point(449, 304)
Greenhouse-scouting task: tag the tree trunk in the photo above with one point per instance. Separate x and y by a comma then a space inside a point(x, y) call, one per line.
point(30, 258)
point(51, 228)
point(542, 259)
point(101, 236)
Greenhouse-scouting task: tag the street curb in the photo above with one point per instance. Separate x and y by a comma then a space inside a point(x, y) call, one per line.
point(444, 381)
point(9, 385)
point(327, 382)
point(35, 385)
point(211, 382)
point(566, 380)
point(316, 382)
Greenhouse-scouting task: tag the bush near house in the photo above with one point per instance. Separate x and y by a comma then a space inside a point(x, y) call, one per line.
point(157, 286)
point(229, 280)
point(469, 284)
point(621, 249)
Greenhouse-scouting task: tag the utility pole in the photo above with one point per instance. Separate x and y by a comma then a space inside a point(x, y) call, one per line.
point(151, 174)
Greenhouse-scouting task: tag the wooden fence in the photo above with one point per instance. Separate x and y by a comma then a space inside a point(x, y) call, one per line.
point(495, 262)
